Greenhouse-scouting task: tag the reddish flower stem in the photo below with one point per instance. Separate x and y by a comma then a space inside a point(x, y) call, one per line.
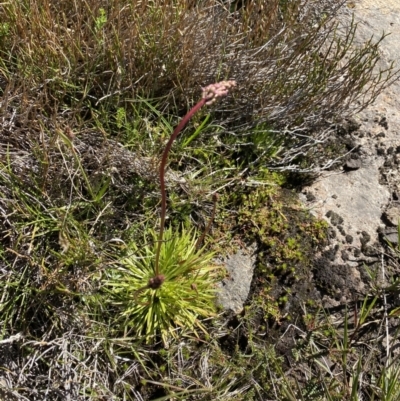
point(163, 164)
point(210, 94)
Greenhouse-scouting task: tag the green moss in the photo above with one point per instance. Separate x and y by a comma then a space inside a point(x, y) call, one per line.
point(287, 237)
point(272, 217)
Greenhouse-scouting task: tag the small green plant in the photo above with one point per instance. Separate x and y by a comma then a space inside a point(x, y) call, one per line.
point(4, 29)
point(182, 291)
point(101, 20)
point(168, 282)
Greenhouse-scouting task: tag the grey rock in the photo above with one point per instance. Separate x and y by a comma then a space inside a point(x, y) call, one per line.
point(353, 164)
point(235, 288)
point(362, 193)
point(392, 237)
point(361, 198)
point(392, 215)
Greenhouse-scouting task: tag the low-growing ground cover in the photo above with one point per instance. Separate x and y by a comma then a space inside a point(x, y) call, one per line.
point(90, 94)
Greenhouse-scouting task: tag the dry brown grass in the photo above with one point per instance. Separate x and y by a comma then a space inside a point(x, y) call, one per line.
point(296, 69)
point(89, 93)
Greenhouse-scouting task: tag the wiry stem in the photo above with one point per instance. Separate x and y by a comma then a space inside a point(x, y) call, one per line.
point(164, 158)
point(210, 94)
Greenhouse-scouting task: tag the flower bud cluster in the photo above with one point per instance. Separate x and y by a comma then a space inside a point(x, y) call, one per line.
point(214, 91)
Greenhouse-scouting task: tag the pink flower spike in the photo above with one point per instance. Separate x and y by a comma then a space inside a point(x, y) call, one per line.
point(214, 91)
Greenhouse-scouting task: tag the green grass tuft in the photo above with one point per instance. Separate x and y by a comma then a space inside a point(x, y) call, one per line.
point(184, 293)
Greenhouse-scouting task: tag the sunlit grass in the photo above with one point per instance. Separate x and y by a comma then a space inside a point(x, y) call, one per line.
point(180, 294)
point(90, 93)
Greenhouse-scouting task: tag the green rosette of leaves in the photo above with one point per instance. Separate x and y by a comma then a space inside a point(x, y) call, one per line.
point(154, 303)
